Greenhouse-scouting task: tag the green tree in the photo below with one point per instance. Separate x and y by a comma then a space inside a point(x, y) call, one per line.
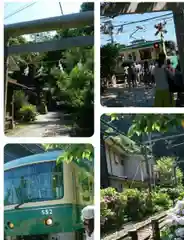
point(87, 6)
point(165, 167)
point(73, 152)
point(109, 55)
point(148, 123)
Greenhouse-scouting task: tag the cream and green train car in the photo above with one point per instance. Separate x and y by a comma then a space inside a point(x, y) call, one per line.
point(43, 200)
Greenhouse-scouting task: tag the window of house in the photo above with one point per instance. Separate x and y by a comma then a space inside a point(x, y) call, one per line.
point(121, 161)
point(116, 159)
point(145, 54)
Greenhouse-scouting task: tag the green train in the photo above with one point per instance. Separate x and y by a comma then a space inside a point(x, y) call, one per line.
point(43, 200)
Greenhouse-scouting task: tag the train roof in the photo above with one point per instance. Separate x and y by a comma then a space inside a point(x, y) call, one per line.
point(41, 157)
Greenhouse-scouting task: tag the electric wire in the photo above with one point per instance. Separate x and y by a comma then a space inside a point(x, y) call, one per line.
point(19, 10)
point(143, 20)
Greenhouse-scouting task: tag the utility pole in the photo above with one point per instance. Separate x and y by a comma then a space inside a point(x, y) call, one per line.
point(144, 152)
point(111, 32)
point(61, 8)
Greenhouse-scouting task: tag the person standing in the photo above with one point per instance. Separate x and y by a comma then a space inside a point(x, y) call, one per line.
point(152, 67)
point(163, 96)
point(180, 85)
point(88, 218)
point(170, 67)
point(146, 77)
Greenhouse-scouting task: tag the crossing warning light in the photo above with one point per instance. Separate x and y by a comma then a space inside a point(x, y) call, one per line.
point(156, 45)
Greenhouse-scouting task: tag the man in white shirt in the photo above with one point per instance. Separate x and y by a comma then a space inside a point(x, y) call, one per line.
point(88, 218)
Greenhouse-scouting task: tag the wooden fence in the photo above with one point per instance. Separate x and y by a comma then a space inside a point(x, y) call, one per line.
point(147, 229)
point(150, 231)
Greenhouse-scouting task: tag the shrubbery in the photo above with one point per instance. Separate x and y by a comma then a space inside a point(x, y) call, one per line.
point(24, 111)
point(28, 113)
point(20, 99)
point(130, 205)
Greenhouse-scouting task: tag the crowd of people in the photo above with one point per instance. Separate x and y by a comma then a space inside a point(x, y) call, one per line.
point(159, 74)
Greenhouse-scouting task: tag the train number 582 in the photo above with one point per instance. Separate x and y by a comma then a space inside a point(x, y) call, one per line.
point(46, 211)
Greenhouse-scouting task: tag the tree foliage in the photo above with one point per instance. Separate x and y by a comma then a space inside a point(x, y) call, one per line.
point(165, 168)
point(148, 123)
point(109, 54)
point(73, 152)
point(87, 6)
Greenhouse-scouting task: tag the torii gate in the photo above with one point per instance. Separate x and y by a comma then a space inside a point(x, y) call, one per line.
point(76, 20)
point(116, 8)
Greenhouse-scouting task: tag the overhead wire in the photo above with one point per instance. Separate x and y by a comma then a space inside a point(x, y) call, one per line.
point(156, 18)
point(144, 20)
point(19, 10)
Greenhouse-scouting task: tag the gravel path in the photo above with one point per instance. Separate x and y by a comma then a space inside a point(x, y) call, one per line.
point(121, 96)
point(52, 124)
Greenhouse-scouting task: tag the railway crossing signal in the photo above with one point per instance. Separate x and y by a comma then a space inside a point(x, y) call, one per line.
point(156, 45)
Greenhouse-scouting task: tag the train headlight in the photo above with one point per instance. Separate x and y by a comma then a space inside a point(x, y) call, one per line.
point(48, 222)
point(10, 225)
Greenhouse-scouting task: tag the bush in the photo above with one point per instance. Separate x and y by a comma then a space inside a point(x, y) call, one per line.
point(20, 99)
point(112, 208)
point(173, 193)
point(160, 201)
point(132, 205)
point(135, 204)
point(181, 196)
point(28, 113)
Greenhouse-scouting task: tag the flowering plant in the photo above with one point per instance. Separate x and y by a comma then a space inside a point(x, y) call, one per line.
point(174, 229)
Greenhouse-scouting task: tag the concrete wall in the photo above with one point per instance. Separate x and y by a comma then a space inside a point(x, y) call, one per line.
point(117, 184)
point(132, 167)
point(114, 162)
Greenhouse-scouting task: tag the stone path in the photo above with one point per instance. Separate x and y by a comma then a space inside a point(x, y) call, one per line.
point(52, 124)
point(121, 96)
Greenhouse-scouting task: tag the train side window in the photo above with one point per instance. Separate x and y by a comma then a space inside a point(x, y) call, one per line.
point(57, 177)
point(86, 186)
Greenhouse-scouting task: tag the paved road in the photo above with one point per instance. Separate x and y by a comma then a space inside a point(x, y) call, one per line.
point(121, 96)
point(52, 124)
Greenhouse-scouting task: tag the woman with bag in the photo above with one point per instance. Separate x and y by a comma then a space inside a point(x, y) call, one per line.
point(163, 79)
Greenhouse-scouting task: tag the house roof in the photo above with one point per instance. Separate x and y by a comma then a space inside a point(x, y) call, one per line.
point(126, 144)
point(140, 45)
point(17, 85)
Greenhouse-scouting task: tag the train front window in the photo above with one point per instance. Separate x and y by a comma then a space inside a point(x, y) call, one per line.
point(32, 183)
